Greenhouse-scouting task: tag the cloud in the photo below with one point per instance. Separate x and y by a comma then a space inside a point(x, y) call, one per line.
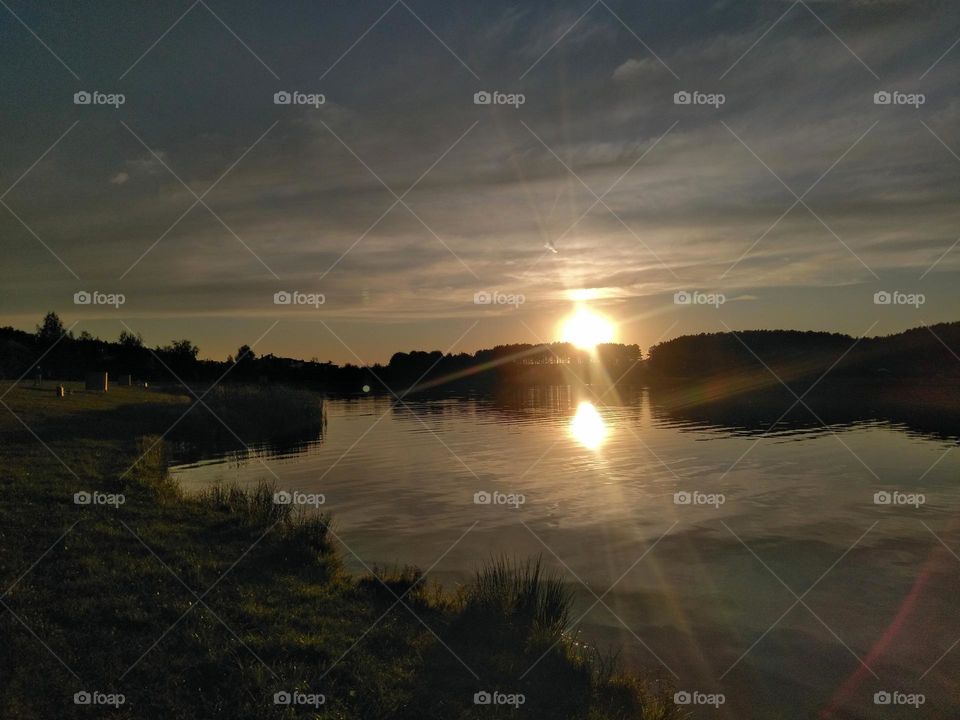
point(499, 200)
point(634, 69)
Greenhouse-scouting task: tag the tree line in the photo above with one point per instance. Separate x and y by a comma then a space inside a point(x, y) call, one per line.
point(920, 352)
point(56, 353)
point(930, 352)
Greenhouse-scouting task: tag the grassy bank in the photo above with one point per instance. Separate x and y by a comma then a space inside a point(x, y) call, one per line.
point(207, 606)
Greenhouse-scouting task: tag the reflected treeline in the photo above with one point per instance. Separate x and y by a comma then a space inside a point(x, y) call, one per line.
point(744, 406)
point(743, 381)
point(237, 420)
point(516, 403)
point(928, 408)
point(188, 451)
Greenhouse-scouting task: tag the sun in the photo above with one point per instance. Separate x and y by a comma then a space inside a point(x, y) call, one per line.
point(586, 329)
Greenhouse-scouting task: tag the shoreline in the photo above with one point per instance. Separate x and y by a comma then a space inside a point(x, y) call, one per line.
point(284, 606)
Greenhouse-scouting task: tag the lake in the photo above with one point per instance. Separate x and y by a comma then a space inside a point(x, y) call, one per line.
point(761, 565)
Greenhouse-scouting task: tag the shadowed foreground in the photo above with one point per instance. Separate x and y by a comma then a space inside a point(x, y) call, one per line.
point(209, 606)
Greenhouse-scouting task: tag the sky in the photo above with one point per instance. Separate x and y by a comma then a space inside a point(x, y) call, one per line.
point(783, 196)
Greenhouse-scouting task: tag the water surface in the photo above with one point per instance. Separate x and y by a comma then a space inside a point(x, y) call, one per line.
point(796, 596)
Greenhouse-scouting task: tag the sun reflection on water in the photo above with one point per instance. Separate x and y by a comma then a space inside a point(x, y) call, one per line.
point(587, 427)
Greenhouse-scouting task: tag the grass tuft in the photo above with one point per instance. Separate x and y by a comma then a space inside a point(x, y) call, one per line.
point(254, 506)
point(520, 597)
point(306, 532)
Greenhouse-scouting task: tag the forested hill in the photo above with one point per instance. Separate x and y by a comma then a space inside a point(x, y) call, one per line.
point(932, 351)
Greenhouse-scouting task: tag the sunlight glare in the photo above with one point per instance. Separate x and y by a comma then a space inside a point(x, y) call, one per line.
point(586, 329)
point(587, 427)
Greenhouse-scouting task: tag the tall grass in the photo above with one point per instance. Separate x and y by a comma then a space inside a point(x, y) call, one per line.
point(510, 627)
point(303, 532)
point(254, 506)
point(521, 595)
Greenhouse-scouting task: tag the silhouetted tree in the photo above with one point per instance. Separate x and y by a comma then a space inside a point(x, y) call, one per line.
point(130, 340)
point(50, 330)
point(182, 350)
